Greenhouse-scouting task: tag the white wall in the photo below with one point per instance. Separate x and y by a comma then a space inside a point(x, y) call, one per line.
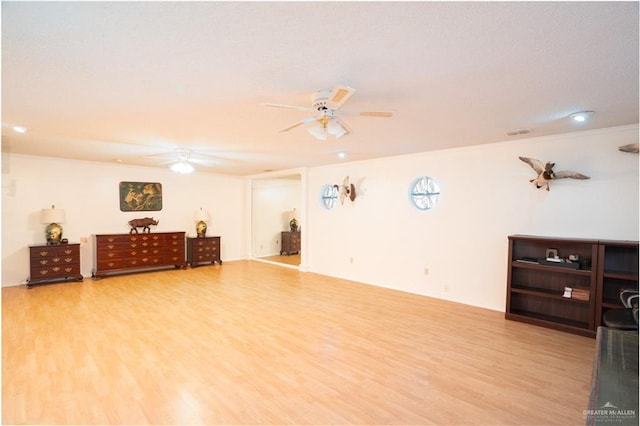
point(381, 239)
point(462, 241)
point(88, 192)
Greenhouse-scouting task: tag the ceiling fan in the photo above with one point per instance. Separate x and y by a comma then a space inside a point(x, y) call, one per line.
point(327, 121)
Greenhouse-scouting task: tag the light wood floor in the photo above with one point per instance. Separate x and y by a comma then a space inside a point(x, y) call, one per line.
point(293, 259)
point(253, 343)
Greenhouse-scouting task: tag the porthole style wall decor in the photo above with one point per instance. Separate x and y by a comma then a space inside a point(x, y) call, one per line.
point(328, 196)
point(424, 193)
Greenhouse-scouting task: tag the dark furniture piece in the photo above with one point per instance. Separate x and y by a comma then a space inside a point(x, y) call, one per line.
point(537, 288)
point(617, 271)
point(203, 250)
point(120, 253)
point(52, 263)
point(290, 241)
point(625, 318)
point(614, 384)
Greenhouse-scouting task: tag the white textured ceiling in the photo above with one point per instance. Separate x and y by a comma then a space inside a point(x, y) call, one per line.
point(102, 81)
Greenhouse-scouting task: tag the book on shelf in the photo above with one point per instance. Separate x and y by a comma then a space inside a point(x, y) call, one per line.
point(528, 260)
point(580, 294)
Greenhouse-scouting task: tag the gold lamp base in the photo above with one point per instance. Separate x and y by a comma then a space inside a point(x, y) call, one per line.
point(201, 229)
point(53, 232)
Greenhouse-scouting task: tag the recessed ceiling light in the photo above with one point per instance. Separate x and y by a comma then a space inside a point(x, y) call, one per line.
point(19, 129)
point(342, 155)
point(581, 116)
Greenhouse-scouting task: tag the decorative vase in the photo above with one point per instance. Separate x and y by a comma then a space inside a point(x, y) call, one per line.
point(201, 229)
point(293, 224)
point(53, 232)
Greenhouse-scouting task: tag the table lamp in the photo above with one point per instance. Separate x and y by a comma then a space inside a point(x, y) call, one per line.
point(53, 217)
point(293, 220)
point(200, 217)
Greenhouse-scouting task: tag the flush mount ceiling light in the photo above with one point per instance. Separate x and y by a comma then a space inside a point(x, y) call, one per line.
point(19, 129)
point(182, 167)
point(581, 116)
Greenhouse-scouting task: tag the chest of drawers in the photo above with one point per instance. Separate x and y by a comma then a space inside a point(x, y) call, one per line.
point(203, 250)
point(117, 253)
point(51, 263)
point(290, 242)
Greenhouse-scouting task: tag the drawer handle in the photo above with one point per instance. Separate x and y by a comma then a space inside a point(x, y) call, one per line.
point(56, 259)
point(67, 269)
point(110, 246)
point(56, 268)
point(110, 254)
point(133, 253)
point(110, 264)
point(68, 259)
point(67, 251)
point(44, 271)
point(44, 253)
point(44, 261)
point(133, 245)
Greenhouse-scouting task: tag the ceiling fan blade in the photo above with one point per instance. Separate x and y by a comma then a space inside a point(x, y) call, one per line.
point(289, 106)
point(339, 96)
point(377, 113)
point(299, 123)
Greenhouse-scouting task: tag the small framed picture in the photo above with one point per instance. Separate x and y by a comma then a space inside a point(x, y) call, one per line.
point(552, 253)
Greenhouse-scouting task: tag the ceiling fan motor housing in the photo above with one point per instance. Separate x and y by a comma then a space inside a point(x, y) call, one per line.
point(319, 99)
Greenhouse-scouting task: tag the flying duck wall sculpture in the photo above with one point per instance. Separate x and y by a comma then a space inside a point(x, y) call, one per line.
point(632, 147)
point(346, 190)
point(546, 174)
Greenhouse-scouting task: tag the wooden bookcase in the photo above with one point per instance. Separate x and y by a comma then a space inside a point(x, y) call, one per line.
point(536, 287)
point(535, 290)
point(617, 270)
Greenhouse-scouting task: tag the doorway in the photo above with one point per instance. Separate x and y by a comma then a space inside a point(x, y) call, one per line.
point(274, 202)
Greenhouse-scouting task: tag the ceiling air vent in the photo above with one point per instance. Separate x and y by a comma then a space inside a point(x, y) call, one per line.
point(518, 132)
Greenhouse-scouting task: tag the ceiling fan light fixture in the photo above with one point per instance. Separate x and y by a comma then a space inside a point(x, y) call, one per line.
point(334, 128)
point(182, 167)
point(581, 116)
point(318, 131)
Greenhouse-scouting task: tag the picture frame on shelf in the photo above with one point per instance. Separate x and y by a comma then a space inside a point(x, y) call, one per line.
point(552, 253)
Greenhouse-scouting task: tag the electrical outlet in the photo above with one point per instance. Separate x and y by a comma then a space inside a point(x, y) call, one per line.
point(426, 271)
point(351, 260)
point(446, 288)
point(84, 240)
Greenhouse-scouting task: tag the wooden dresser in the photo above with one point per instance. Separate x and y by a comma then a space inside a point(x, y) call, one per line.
point(118, 253)
point(203, 250)
point(51, 263)
point(290, 241)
